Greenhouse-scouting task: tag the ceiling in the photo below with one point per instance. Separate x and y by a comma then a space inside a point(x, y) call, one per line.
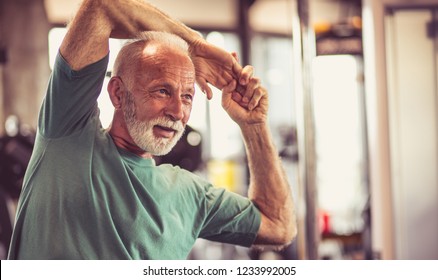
point(265, 15)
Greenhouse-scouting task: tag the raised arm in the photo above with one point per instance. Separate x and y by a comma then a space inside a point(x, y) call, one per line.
point(269, 188)
point(98, 20)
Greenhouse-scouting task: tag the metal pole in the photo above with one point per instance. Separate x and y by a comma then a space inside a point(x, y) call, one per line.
point(244, 30)
point(304, 51)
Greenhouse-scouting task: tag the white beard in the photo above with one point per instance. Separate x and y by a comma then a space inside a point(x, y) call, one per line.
point(142, 131)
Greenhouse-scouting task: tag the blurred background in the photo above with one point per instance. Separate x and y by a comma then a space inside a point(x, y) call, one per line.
point(353, 90)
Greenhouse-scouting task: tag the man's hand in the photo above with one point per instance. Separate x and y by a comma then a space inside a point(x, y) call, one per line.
point(216, 67)
point(248, 104)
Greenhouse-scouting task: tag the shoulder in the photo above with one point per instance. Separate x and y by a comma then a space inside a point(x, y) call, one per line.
point(61, 65)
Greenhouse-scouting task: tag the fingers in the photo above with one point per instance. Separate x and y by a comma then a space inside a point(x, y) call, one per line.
point(252, 94)
point(246, 75)
point(225, 79)
point(236, 68)
point(214, 66)
point(244, 78)
point(230, 88)
point(236, 57)
point(202, 83)
point(227, 95)
point(257, 96)
point(243, 74)
point(238, 99)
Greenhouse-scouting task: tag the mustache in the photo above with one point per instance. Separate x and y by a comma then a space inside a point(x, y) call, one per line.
point(168, 123)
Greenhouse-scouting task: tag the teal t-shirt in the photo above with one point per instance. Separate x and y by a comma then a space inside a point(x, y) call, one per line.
point(84, 198)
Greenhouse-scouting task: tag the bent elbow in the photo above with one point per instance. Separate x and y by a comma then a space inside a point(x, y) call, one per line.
point(288, 235)
point(276, 236)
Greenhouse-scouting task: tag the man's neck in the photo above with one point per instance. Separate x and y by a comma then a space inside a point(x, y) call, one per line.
point(125, 142)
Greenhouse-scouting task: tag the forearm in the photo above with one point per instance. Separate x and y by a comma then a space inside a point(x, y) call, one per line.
point(132, 16)
point(269, 188)
point(98, 20)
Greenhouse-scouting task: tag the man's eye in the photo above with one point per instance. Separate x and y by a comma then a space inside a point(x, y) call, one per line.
point(188, 97)
point(163, 91)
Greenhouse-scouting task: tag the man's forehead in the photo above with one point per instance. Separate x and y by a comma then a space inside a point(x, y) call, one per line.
point(169, 58)
point(171, 75)
point(169, 64)
point(167, 70)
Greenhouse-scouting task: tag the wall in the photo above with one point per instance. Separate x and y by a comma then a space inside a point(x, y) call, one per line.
point(413, 111)
point(385, 218)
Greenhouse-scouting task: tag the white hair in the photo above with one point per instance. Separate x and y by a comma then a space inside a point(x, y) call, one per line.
point(166, 39)
point(132, 51)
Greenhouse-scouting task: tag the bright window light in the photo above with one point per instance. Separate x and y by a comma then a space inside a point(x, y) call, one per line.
point(339, 140)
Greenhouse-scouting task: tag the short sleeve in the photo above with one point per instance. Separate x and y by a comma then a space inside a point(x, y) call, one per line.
point(231, 218)
point(71, 97)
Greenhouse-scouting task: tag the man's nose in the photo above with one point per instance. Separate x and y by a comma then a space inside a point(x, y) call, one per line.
point(174, 109)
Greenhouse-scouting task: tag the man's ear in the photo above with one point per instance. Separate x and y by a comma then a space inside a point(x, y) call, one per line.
point(116, 90)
